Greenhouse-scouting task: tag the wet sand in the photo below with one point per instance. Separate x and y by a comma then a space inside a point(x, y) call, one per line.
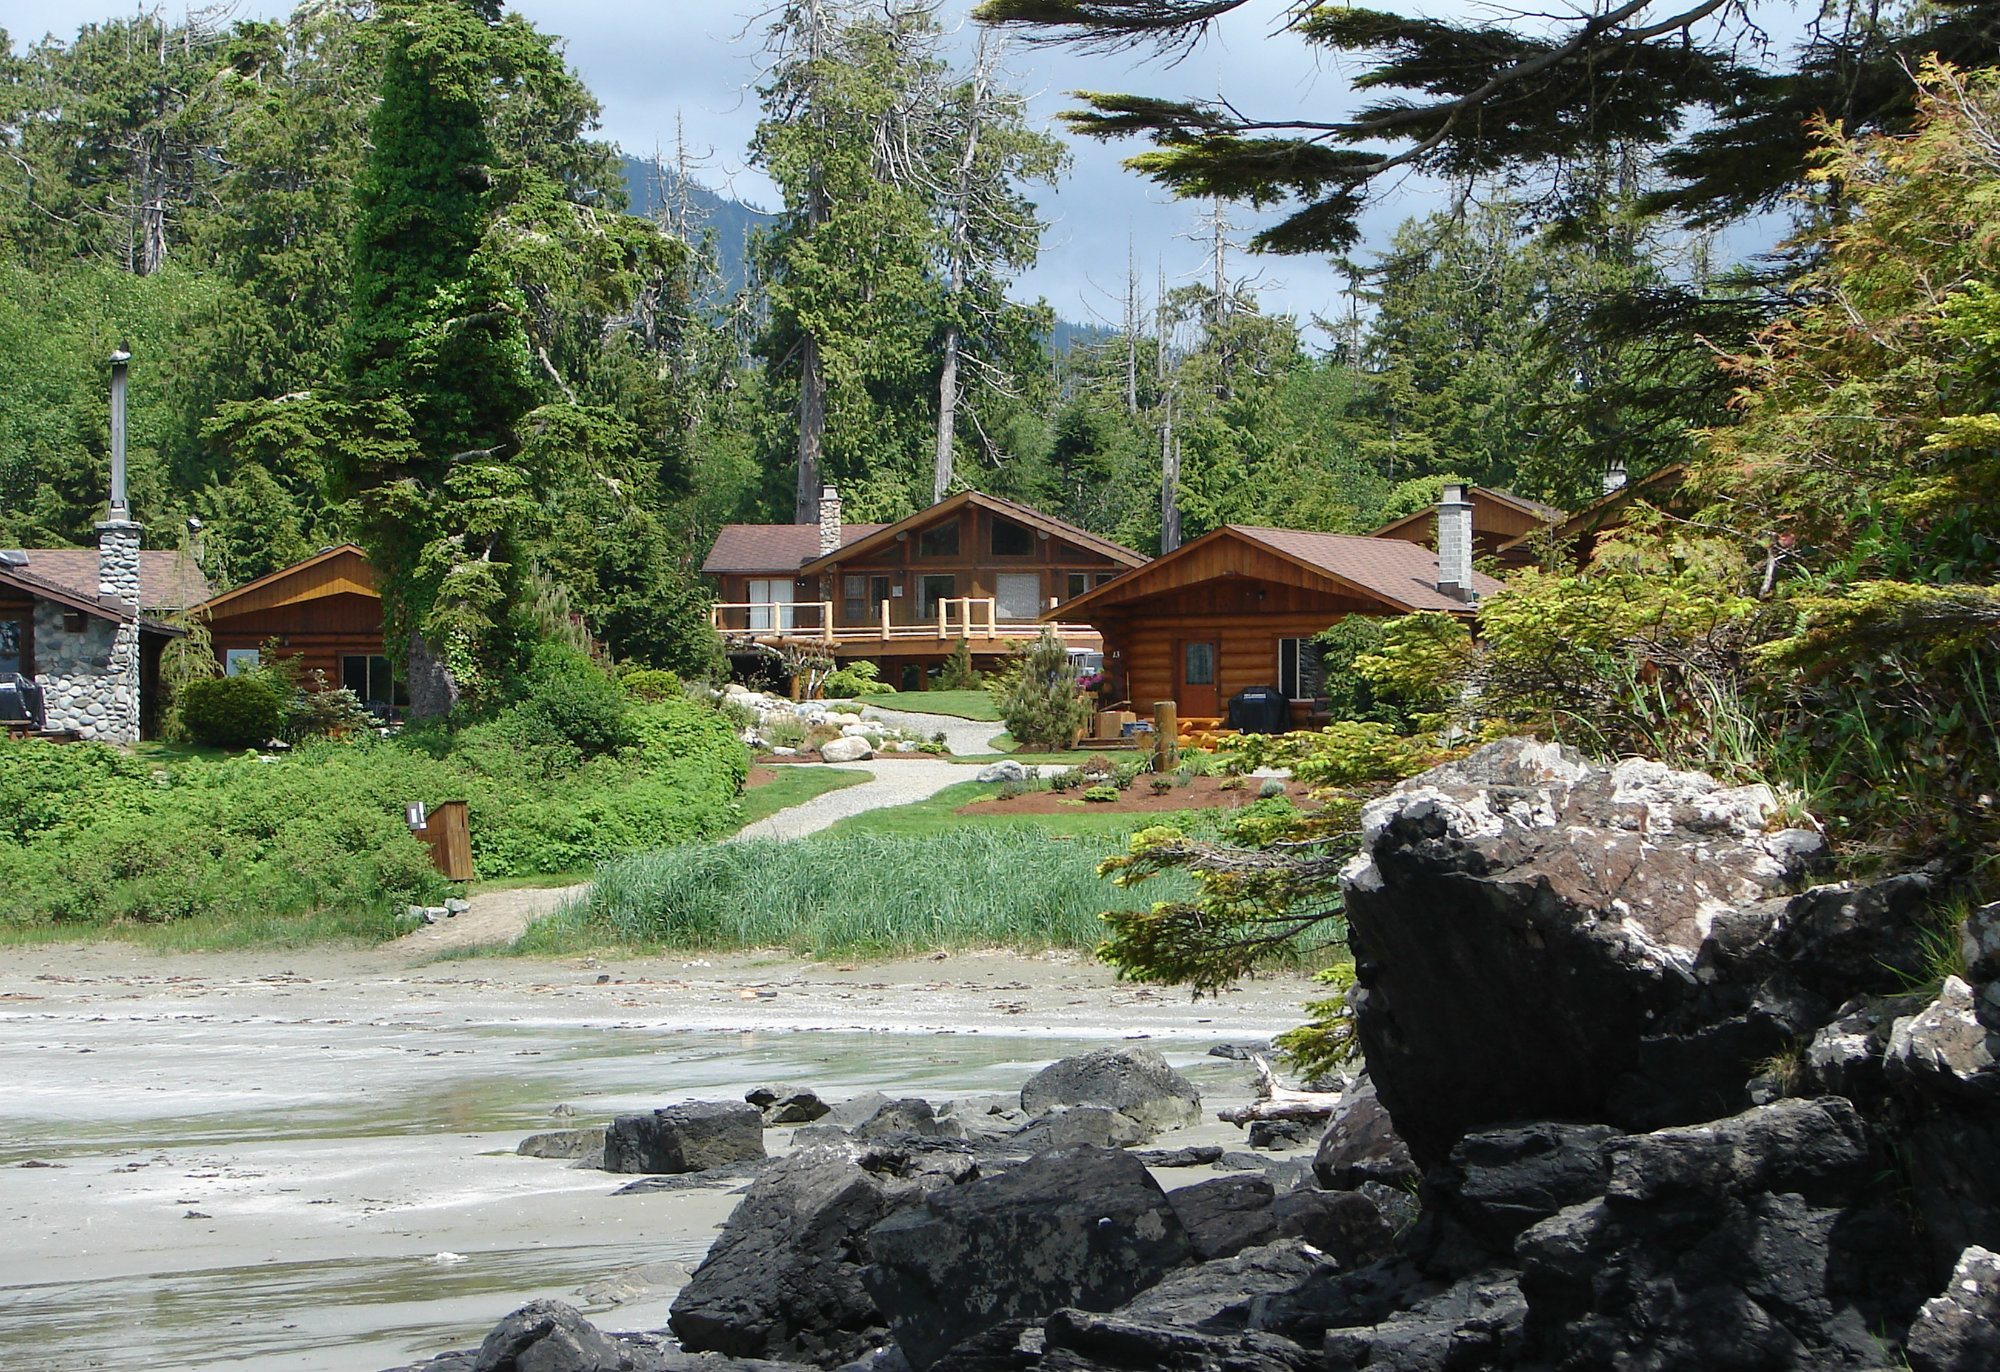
point(305, 1160)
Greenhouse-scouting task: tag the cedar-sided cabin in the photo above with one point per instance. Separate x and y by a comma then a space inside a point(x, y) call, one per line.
point(1579, 534)
point(1238, 608)
point(324, 611)
point(1502, 525)
point(972, 566)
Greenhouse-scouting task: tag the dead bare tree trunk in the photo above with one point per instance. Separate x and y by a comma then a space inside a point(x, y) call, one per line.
point(959, 252)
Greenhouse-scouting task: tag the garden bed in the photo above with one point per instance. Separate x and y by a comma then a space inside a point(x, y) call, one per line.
point(1201, 793)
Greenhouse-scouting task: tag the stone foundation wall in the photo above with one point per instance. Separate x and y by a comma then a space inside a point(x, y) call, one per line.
point(89, 677)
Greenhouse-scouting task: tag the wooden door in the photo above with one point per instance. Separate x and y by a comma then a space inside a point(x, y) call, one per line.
point(1196, 674)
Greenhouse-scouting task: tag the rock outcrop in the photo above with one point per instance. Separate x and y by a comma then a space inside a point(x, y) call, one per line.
point(695, 1137)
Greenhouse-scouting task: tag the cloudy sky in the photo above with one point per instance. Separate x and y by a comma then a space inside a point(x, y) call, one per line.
point(653, 61)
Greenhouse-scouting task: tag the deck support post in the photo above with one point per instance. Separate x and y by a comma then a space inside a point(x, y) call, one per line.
point(1166, 735)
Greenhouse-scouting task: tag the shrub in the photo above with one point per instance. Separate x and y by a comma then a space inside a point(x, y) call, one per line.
point(1162, 785)
point(318, 710)
point(1100, 795)
point(570, 697)
point(860, 678)
point(1068, 779)
point(231, 711)
point(958, 673)
point(1271, 789)
point(652, 684)
point(1038, 698)
point(1013, 790)
point(784, 731)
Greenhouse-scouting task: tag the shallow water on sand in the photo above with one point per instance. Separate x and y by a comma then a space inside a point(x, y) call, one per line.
point(265, 1187)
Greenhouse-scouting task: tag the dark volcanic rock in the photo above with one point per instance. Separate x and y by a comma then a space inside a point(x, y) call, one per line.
point(1473, 1327)
point(1225, 1215)
point(548, 1336)
point(1079, 1341)
point(787, 1104)
point(1134, 1081)
point(563, 1143)
point(1361, 1144)
point(1086, 1227)
point(1500, 1181)
point(1193, 1155)
point(1536, 937)
point(783, 1279)
point(1280, 1134)
point(1959, 1331)
point(911, 1116)
point(1728, 1243)
point(1943, 1049)
point(1219, 1296)
point(685, 1138)
point(1093, 1126)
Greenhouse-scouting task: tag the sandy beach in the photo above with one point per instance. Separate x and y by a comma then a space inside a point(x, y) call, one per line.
point(305, 1160)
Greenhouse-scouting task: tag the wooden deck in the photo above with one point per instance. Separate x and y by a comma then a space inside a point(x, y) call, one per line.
point(801, 624)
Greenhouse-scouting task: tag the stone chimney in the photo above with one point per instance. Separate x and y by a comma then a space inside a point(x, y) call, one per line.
point(1454, 544)
point(117, 535)
point(829, 520)
point(1614, 476)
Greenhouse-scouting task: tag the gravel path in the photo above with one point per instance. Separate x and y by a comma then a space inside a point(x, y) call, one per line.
point(965, 737)
point(895, 781)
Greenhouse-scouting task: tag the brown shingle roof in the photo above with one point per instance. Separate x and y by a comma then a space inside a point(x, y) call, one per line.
point(166, 580)
point(102, 606)
point(1405, 573)
point(1026, 514)
point(773, 547)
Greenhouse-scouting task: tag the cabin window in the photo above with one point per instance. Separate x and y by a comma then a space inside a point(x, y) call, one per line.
point(1199, 665)
point(771, 603)
point(932, 589)
point(1300, 672)
point(237, 661)
point(861, 596)
point(12, 659)
point(1103, 577)
point(940, 540)
point(72, 621)
point(372, 680)
point(1011, 539)
point(1075, 585)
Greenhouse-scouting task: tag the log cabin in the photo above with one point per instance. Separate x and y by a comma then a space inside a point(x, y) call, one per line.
point(1238, 607)
point(1577, 536)
point(324, 611)
point(1502, 525)
point(973, 566)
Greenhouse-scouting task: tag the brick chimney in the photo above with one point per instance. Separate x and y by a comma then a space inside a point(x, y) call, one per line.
point(117, 535)
point(829, 520)
point(1614, 476)
point(1454, 544)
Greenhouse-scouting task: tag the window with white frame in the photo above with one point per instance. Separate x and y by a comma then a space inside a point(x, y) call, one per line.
point(1300, 672)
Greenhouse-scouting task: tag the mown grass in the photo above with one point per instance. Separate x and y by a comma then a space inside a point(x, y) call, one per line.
point(937, 815)
point(864, 894)
point(795, 784)
point(964, 704)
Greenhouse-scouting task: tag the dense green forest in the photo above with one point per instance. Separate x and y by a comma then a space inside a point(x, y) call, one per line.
point(226, 201)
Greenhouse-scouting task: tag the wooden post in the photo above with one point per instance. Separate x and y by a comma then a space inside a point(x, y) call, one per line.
point(885, 621)
point(1166, 735)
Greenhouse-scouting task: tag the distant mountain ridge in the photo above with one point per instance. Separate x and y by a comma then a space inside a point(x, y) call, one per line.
point(649, 185)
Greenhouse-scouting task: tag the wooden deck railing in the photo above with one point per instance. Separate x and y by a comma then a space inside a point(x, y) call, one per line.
point(973, 617)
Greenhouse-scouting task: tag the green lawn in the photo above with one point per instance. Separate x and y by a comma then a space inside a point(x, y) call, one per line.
point(964, 704)
point(796, 784)
point(1003, 747)
point(936, 815)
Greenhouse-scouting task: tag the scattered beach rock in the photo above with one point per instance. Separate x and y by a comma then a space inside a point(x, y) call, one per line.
point(1080, 1125)
point(693, 1137)
point(1361, 1144)
point(562, 1143)
point(846, 749)
point(787, 1104)
point(1192, 1155)
point(1134, 1081)
point(1959, 1331)
point(1279, 1135)
point(910, 1116)
point(1241, 1052)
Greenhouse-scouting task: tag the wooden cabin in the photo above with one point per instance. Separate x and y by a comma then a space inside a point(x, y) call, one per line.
point(1502, 525)
point(1238, 607)
point(973, 566)
point(324, 611)
point(1580, 534)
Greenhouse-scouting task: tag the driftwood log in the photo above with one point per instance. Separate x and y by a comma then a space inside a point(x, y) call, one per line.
point(1275, 1102)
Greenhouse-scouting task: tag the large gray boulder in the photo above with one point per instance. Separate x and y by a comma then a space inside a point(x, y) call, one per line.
point(548, 1336)
point(693, 1137)
point(1539, 937)
point(783, 1278)
point(1084, 1227)
point(1136, 1082)
point(1225, 1215)
point(1944, 1048)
